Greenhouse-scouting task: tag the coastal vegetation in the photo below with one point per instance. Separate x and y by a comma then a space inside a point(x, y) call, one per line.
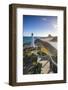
point(45, 51)
point(31, 66)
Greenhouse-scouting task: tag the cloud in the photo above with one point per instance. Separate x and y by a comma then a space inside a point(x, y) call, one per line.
point(54, 26)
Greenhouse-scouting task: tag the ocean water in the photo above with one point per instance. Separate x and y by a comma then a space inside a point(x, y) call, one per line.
point(28, 40)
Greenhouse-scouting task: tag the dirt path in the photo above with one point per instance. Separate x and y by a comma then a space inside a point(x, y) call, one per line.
point(45, 66)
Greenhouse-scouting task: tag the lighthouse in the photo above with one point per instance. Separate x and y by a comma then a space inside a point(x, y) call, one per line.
point(32, 40)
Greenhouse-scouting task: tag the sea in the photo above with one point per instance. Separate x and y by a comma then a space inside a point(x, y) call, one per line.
point(28, 39)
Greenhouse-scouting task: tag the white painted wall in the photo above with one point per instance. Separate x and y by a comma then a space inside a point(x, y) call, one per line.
point(4, 44)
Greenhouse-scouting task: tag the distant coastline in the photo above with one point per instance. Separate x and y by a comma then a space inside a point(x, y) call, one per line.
point(28, 39)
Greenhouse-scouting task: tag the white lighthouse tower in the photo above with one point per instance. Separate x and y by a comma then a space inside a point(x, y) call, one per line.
point(33, 45)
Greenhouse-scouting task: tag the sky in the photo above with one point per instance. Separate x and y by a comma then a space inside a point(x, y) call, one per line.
point(39, 25)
